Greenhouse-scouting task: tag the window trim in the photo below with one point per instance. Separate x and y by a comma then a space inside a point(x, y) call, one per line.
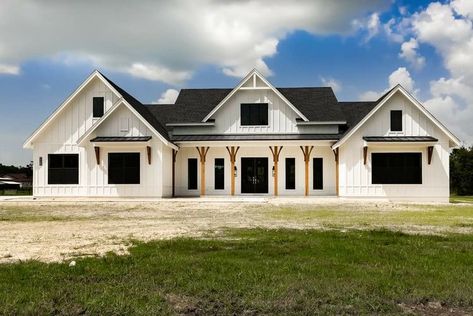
point(93, 107)
point(391, 121)
point(267, 125)
point(63, 184)
point(139, 167)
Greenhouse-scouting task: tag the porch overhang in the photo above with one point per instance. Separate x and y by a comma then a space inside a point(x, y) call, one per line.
point(372, 141)
point(120, 140)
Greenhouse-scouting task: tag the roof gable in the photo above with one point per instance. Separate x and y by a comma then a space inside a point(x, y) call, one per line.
point(253, 81)
point(363, 111)
point(94, 75)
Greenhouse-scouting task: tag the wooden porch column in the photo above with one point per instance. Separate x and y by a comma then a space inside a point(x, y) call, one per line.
point(275, 153)
point(336, 152)
point(232, 152)
point(306, 151)
point(202, 153)
point(174, 154)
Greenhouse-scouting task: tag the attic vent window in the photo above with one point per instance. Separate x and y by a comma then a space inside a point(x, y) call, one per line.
point(396, 121)
point(254, 114)
point(98, 107)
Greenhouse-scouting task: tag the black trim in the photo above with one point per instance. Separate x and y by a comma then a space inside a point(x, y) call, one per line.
point(242, 137)
point(394, 139)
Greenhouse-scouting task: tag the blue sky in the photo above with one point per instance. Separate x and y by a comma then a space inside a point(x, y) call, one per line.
point(357, 48)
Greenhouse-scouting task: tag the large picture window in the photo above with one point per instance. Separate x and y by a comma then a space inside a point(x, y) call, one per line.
point(290, 173)
point(318, 174)
point(63, 169)
point(124, 168)
point(192, 174)
point(254, 114)
point(396, 168)
point(219, 173)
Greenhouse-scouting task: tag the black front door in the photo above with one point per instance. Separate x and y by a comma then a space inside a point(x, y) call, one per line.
point(254, 175)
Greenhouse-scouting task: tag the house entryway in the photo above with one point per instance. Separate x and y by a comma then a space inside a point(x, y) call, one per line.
point(254, 175)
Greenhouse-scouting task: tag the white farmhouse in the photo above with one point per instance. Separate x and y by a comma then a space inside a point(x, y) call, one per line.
point(252, 139)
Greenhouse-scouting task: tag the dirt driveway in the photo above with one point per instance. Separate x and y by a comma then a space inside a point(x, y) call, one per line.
point(55, 231)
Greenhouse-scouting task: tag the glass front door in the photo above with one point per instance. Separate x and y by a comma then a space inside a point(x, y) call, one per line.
point(254, 175)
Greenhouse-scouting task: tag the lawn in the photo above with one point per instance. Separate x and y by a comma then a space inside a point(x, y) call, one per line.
point(255, 272)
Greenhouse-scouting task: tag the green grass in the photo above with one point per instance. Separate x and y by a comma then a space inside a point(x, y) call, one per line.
point(461, 199)
point(253, 272)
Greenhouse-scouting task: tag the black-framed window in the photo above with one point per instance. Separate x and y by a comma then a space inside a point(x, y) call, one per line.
point(318, 174)
point(254, 114)
point(124, 168)
point(396, 121)
point(290, 173)
point(98, 106)
point(396, 168)
point(192, 174)
point(63, 169)
point(219, 173)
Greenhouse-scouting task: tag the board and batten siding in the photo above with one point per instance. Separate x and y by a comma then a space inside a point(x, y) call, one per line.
point(355, 177)
point(62, 135)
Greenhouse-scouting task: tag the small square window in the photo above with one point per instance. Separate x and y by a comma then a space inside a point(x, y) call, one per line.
point(98, 106)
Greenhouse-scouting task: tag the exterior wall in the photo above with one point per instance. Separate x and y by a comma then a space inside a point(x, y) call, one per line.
point(324, 152)
point(72, 123)
point(282, 119)
point(355, 177)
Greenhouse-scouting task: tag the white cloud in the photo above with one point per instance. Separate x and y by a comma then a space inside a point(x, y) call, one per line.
point(403, 77)
point(168, 40)
point(336, 85)
point(168, 97)
point(9, 69)
point(410, 54)
point(463, 7)
point(373, 26)
point(399, 76)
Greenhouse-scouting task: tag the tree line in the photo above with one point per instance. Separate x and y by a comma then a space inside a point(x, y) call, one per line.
point(461, 171)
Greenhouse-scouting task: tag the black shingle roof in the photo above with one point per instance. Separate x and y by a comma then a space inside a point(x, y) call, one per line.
point(193, 105)
point(141, 109)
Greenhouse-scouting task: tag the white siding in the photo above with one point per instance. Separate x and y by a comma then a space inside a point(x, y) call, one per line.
point(355, 177)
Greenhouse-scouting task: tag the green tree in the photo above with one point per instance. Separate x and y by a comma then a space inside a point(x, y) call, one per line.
point(461, 171)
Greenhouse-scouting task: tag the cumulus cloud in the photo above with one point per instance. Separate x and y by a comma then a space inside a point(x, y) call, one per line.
point(167, 40)
point(9, 69)
point(168, 97)
point(410, 54)
point(399, 76)
point(336, 85)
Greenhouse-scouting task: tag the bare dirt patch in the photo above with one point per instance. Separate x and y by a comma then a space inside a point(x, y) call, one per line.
point(57, 231)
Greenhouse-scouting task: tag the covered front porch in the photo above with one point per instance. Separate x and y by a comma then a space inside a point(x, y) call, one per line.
point(255, 168)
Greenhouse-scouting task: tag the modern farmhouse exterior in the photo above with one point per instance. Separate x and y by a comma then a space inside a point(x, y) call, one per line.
point(252, 139)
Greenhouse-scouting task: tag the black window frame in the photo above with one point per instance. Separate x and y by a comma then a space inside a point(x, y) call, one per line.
point(317, 173)
point(290, 174)
point(219, 174)
point(124, 172)
point(98, 107)
point(393, 168)
point(396, 121)
point(254, 114)
point(64, 172)
point(192, 174)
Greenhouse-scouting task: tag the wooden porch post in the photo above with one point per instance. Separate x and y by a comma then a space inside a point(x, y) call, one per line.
point(174, 154)
point(306, 151)
point(232, 152)
point(336, 152)
point(202, 153)
point(275, 153)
